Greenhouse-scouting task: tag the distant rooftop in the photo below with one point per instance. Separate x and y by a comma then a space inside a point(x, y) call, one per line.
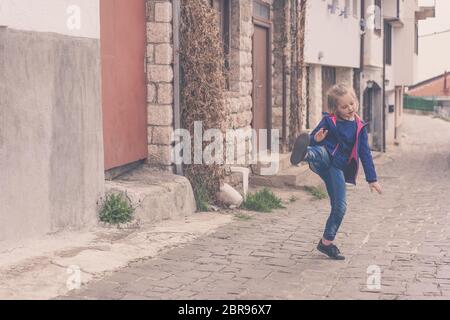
point(438, 86)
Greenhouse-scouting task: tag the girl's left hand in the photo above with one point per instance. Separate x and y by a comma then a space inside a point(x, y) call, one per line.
point(375, 186)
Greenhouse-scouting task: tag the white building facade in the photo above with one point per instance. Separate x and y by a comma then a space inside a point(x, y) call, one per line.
point(401, 43)
point(332, 52)
point(390, 55)
point(371, 45)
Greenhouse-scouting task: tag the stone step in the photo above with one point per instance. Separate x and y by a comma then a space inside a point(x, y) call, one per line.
point(157, 196)
point(293, 176)
point(284, 163)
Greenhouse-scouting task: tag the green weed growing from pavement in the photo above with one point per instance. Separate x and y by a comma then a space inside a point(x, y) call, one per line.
point(116, 209)
point(262, 201)
point(317, 192)
point(202, 198)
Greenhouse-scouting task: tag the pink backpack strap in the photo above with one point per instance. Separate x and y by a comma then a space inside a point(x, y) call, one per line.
point(360, 126)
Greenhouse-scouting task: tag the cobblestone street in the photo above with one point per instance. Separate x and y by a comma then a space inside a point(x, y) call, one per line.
point(405, 232)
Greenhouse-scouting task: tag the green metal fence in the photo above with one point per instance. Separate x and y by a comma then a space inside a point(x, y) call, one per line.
point(416, 103)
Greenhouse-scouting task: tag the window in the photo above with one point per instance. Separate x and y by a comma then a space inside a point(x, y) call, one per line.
point(261, 10)
point(388, 43)
point(223, 8)
point(378, 17)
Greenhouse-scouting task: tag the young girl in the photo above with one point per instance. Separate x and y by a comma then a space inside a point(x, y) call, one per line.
point(333, 151)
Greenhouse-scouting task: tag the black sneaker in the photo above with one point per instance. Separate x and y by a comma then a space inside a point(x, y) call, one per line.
point(300, 148)
point(332, 251)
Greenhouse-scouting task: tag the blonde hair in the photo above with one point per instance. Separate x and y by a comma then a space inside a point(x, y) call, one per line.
point(337, 91)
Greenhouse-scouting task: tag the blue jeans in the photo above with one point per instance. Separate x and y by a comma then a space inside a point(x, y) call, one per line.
point(320, 163)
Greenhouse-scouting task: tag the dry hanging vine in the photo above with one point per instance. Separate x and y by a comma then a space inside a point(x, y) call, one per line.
point(203, 84)
point(298, 26)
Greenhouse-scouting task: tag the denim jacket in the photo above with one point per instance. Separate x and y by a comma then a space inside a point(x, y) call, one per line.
point(361, 149)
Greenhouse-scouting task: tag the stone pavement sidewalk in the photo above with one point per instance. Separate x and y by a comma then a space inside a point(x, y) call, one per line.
point(50, 266)
point(399, 240)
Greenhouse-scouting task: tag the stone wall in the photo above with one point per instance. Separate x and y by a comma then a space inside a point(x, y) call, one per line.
point(238, 96)
point(160, 82)
point(238, 99)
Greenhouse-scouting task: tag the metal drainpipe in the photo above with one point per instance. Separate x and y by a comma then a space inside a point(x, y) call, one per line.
point(284, 103)
point(362, 48)
point(384, 87)
point(176, 71)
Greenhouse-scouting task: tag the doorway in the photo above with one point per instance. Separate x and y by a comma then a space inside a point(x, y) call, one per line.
point(123, 45)
point(262, 72)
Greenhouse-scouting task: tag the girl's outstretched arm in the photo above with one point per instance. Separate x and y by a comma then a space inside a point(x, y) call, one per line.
point(375, 186)
point(367, 162)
